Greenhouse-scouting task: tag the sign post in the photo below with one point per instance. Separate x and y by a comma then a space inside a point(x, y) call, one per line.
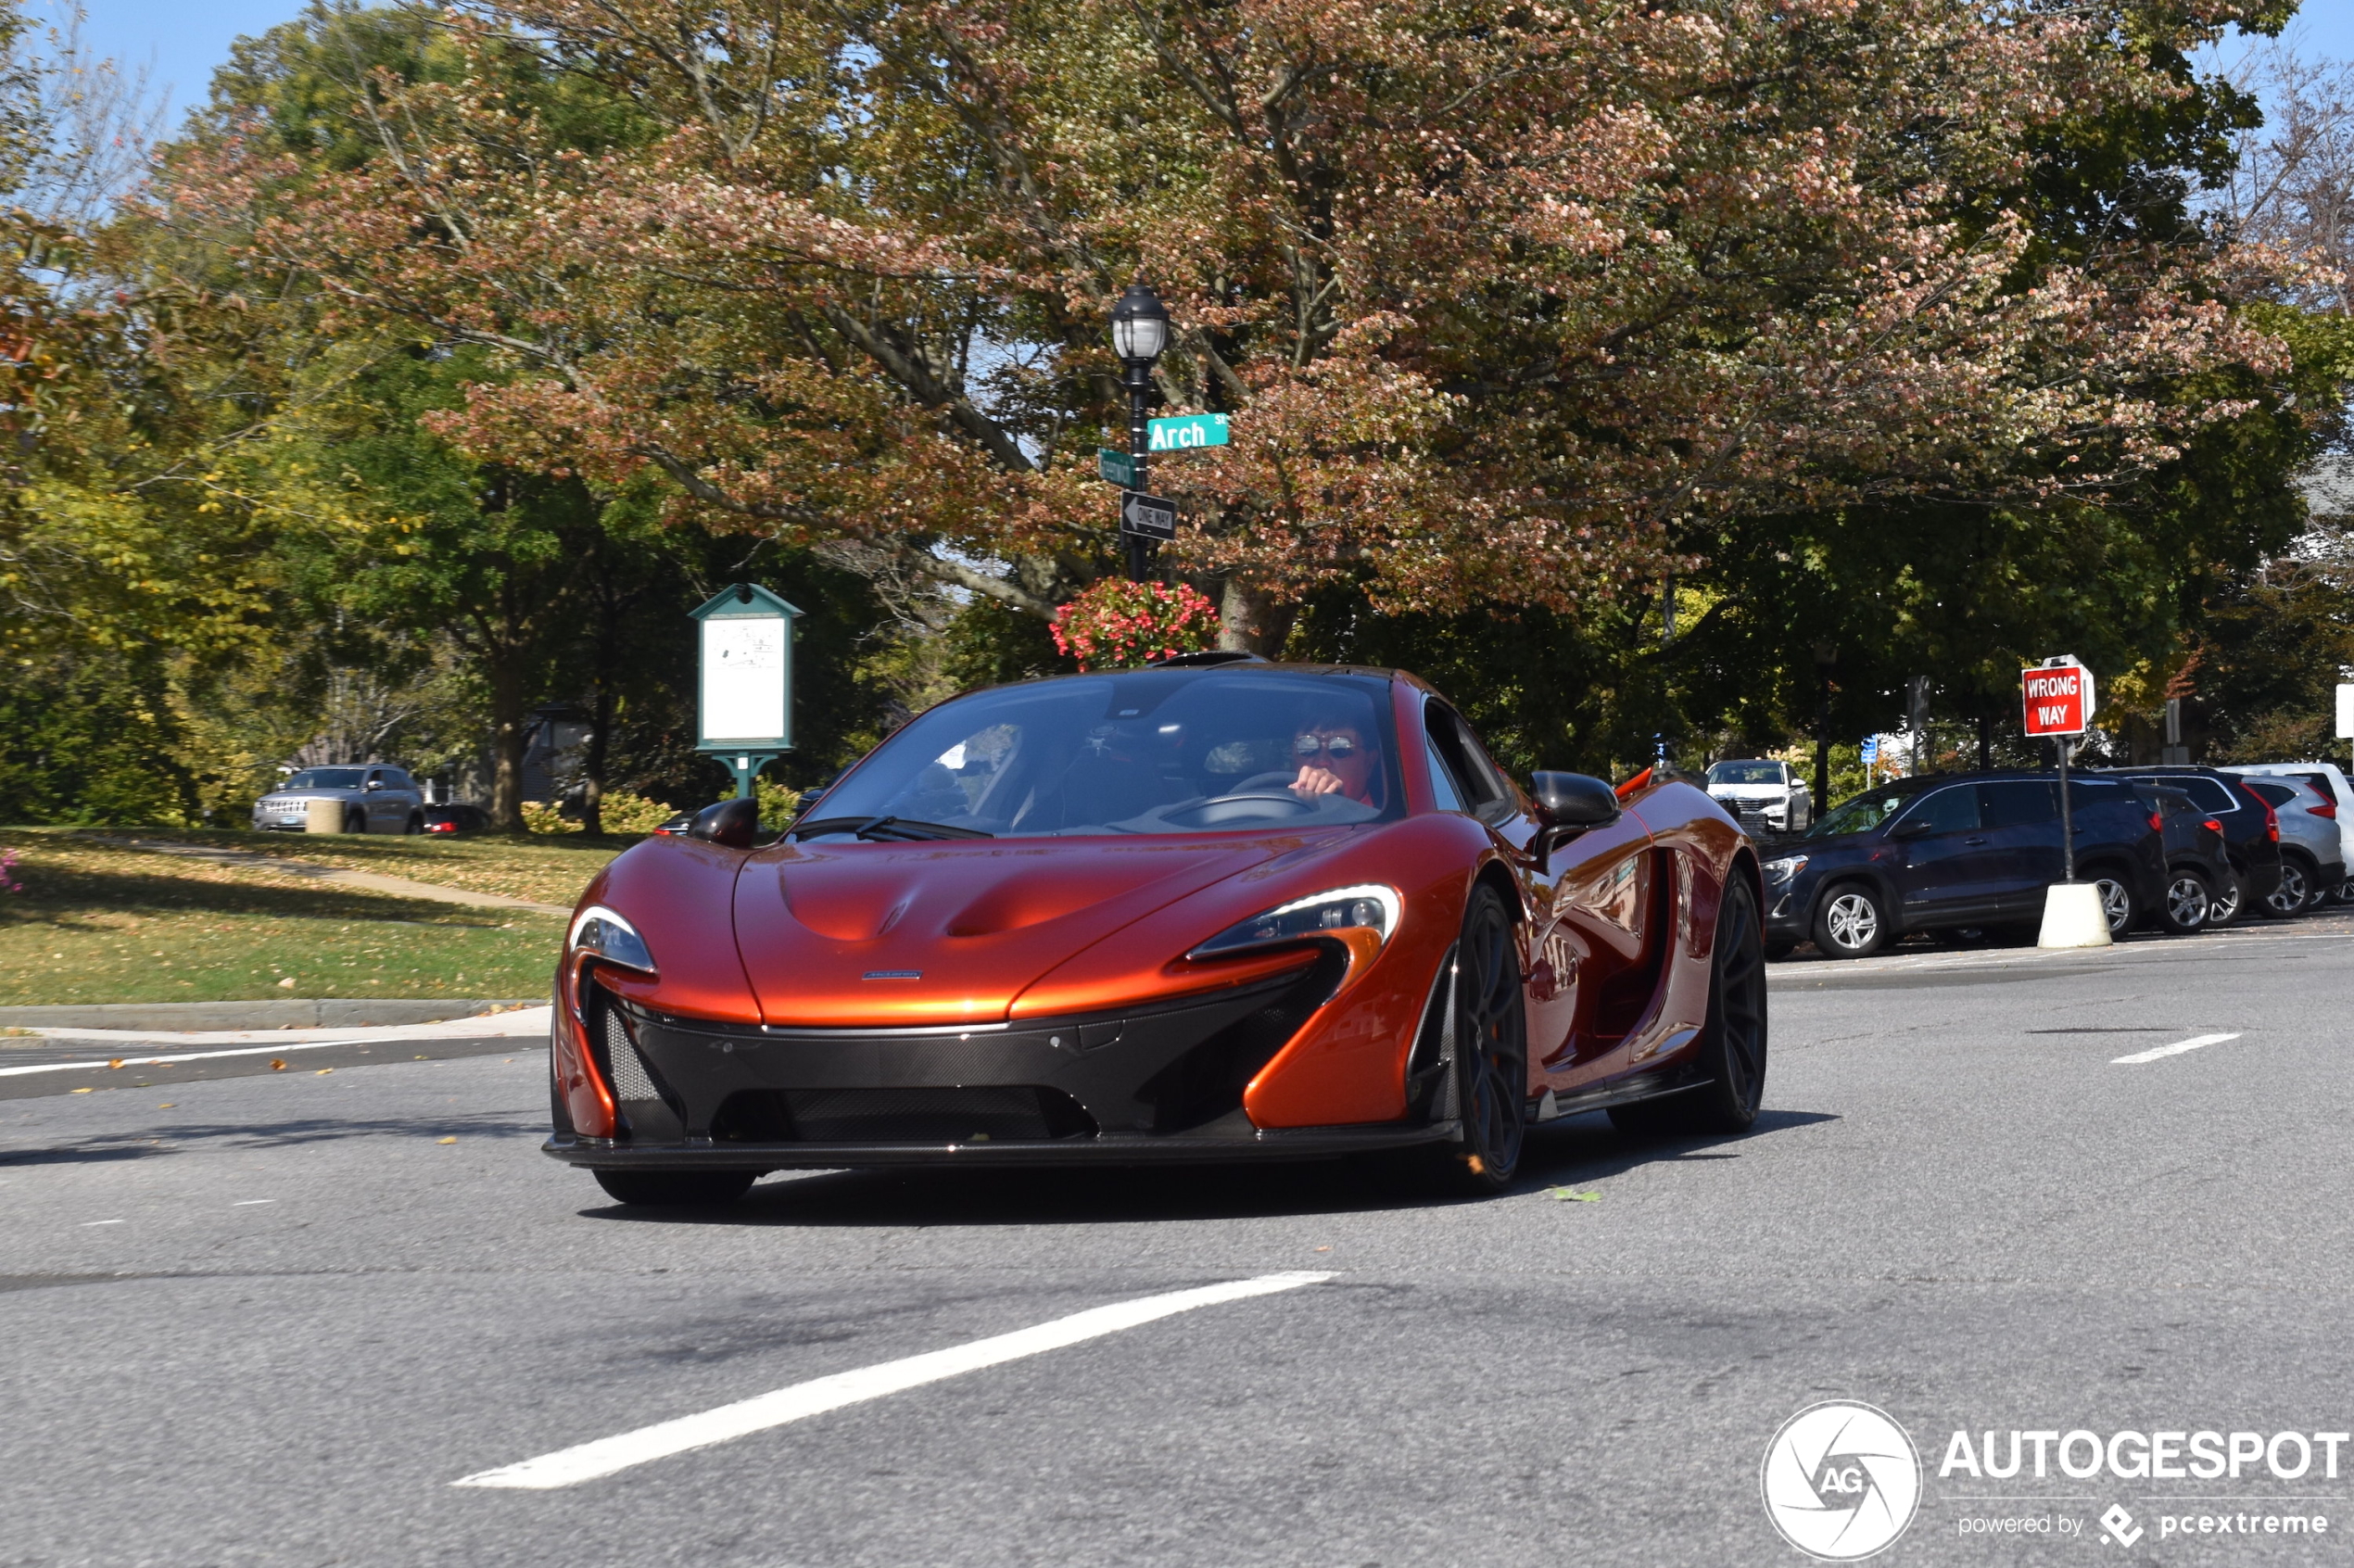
point(744, 681)
point(2056, 701)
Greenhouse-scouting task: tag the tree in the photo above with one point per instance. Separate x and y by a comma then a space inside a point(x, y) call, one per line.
point(1511, 304)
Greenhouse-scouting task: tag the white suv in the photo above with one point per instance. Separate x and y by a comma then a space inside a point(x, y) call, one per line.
point(1766, 796)
point(376, 799)
point(2331, 783)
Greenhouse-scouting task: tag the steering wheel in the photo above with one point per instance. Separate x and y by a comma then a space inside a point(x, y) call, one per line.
point(1261, 786)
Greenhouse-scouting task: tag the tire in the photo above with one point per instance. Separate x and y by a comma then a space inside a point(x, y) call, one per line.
point(2295, 893)
point(2119, 902)
point(673, 1189)
point(1852, 922)
point(355, 819)
point(416, 823)
point(2229, 906)
point(1732, 1047)
point(1485, 1090)
point(2184, 910)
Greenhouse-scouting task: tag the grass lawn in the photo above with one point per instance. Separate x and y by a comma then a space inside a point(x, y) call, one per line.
point(100, 923)
point(545, 868)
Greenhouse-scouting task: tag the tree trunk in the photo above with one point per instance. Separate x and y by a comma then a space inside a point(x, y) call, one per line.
point(592, 767)
point(508, 724)
point(1253, 621)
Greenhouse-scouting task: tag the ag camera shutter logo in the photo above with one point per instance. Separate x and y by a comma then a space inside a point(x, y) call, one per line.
point(1842, 1481)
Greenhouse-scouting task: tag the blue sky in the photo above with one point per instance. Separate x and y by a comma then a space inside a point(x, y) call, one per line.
point(183, 40)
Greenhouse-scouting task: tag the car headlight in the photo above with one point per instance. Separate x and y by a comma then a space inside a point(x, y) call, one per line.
point(600, 931)
point(1368, 913)
point(1782, 870)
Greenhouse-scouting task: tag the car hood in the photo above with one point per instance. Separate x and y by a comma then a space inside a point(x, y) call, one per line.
point(1747, 791)
point(844, 934)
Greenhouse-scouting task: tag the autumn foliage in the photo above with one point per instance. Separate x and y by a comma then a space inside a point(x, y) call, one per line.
point(1510, 304)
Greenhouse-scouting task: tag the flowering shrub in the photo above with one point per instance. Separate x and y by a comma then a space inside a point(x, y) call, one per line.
point(8, 864)
point(1117, 623)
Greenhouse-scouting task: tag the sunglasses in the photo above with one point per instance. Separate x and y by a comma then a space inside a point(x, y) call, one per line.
point(1337, 747)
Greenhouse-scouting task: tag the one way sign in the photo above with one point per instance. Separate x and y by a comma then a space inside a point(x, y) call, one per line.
point(1151, 516)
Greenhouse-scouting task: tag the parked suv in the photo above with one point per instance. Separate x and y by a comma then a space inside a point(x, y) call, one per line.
point(2313, 866)
point(1765, 795)
point(2330, 781)
point(2251, 832)
point(376, 798)
point(1945, 850)
point(2201, 888)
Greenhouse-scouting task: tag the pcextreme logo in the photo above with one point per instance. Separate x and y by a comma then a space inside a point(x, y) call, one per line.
point(1842, 1481)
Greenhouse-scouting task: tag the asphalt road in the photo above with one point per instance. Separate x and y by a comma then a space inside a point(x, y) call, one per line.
point(274, 1319)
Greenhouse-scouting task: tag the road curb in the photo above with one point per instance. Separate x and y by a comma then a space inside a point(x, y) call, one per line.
point(287, 1013)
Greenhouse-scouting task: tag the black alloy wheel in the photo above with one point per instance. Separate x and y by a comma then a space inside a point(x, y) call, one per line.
point(2185, 910)
point(2119, 906)
point(1485, 1090)
point(1732, 1051)
point(673, 1189)
point(1851, 922)
point(2296, 891)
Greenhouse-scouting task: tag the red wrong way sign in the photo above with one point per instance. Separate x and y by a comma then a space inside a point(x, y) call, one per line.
point(2057, 699)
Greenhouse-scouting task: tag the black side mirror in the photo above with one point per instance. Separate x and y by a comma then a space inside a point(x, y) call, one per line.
point(732, 823)
point(1574, 802)
point(1915, 829)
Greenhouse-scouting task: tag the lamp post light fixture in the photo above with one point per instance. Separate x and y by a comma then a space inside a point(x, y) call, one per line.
point(1139, 331)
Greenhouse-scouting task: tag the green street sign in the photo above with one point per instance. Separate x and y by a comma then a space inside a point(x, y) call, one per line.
point(1186, 432)
point(1116, 467)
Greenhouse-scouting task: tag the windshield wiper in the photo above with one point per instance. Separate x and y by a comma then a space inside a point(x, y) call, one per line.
point(885, 829)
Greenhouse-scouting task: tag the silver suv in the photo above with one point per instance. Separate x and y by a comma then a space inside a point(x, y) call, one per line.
point(1766, 796)
point(376, 798)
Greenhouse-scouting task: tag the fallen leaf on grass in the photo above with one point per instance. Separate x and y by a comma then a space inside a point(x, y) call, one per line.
point(286, 984)
point(1563, 1195)
point(445, 1139)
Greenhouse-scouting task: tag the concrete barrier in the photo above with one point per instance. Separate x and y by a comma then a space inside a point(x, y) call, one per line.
point(2073, 917)
point(178, 1016)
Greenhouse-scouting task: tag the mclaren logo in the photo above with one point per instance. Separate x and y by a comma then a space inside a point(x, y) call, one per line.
point(1842, 1481)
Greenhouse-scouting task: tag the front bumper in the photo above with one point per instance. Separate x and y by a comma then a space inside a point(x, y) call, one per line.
point(1145, 1085)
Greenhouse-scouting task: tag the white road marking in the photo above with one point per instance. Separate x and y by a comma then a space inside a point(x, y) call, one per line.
point(248, 1203)
point(87, 1223)
point(2174, 1050)
point(568, 1467)
point(184, 1056)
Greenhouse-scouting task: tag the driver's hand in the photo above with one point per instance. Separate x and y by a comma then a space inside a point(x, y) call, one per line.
point(1316, 781)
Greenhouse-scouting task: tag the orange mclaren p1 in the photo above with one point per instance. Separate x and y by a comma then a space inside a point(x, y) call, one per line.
point(1213, 909)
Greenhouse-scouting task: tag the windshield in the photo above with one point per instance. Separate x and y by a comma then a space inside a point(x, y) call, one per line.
point(1745, 773)
point(1860, 815)
point(1147, 751)
point(324, 778)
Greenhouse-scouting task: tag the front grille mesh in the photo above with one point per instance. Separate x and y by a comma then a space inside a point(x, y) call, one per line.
point(630, 1080)
point(919, 1115)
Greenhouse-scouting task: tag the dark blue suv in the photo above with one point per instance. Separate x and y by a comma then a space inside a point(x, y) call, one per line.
point(1945, 850)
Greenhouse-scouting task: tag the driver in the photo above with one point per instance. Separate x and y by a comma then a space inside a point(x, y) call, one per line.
point(1336, 759)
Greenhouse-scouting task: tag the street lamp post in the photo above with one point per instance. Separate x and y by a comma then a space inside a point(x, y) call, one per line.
point(1139, 331)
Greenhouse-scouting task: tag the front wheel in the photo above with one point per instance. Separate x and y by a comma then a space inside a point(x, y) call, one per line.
point(674, 1189)
point(2185, 910)
point(1486, 1050)
point(1733, 1050)
point(1851, 924)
